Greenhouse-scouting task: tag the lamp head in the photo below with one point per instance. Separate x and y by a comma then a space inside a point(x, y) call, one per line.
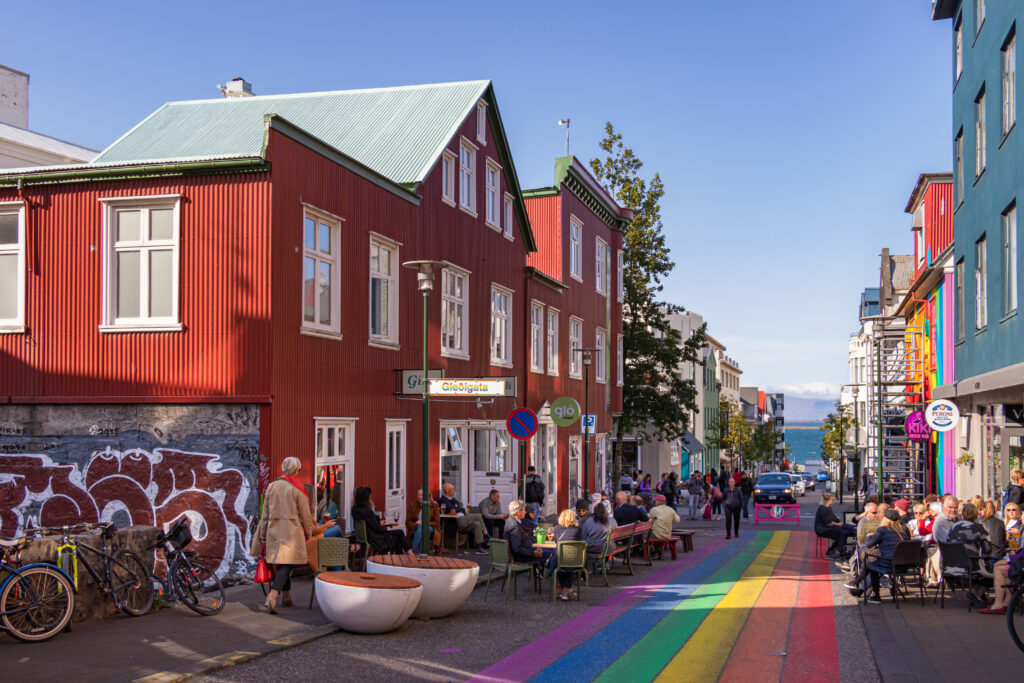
point(424, 273)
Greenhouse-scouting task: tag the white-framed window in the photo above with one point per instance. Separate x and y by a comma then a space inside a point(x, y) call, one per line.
point(448, 178)
point(1010, 260)
point(575, 344)
point(958, 49)
point(979, 133)
point(576, 248)
point(620, 268)
point(621, 352)
point(467, 176)
point(492, 191)
point(601, 266)
point(1009, 83)
point(321, 273)
point(600, 358)
point(958, 160)
point(980, 288)
point(501, 325)
point(961, 316)
point(454, 312)
point(508, 216)
point(12, 267)
point(536, 337)
point(141, 242)
point(979, 15)
point(481, 122)
point(383, 291)
point(552, 341)
point(334, 463)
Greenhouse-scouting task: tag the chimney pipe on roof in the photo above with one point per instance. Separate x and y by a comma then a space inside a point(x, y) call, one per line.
point(236, 87)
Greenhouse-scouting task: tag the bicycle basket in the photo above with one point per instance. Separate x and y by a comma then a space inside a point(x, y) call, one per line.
point(180, 535)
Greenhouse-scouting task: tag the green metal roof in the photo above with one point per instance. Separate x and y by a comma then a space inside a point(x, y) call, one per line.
point(397, 132)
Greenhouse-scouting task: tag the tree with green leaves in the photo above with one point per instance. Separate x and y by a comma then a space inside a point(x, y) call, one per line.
point(835, 429)
point(656, 400)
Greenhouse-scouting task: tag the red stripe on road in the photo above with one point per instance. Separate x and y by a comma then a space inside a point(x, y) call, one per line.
point(812, 654)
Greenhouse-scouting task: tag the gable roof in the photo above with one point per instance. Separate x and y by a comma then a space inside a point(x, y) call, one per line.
point(397, 132)
point(45, 143)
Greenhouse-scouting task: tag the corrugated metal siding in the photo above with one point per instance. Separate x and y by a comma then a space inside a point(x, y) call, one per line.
point(546, 220)
point(939, 218)
point(223, 298)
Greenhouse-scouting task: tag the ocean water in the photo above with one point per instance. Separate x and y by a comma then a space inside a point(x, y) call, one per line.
point(804, 444)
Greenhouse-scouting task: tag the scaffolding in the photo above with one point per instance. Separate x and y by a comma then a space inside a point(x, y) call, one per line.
point(895, 389)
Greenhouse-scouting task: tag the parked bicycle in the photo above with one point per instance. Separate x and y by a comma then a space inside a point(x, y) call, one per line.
point(1015, 612)
point(36, 600)
point(122, 575)
point(188, 579)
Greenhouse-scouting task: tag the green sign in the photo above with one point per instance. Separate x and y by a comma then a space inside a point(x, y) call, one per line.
point(565, 411)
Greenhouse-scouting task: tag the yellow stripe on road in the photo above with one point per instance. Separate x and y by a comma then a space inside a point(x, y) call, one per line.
point(706, 652)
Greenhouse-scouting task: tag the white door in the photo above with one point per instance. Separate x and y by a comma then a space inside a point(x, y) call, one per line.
point(549, 471)
point(494, 464)
point(395, 504)
point(575, 469)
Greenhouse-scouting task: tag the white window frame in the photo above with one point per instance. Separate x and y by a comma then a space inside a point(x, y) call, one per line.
point(958, 159)
point(451, 303)
point(1010, 260)
point(344, 453)
point(467, 177)
point(620, 262)
point(481, 122)
point(575, 248)
point(391, 338)
point(1009, 73)
point(448, 163)
point(110, 322)
point(979, 16)
point(958, 49)
point(980, 142)
point(509, 211)
point(334, 223)
point(980, 284)
point(601, 266)
point(621, 377)
point(600, 355)
point(961, 315)
point(15, 325)
point(575, 344)
point(501, 324)
point(492, 194)
point(536, 337)
point(552, 340)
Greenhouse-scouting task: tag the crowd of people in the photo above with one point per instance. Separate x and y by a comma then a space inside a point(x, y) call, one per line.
point(992, 542)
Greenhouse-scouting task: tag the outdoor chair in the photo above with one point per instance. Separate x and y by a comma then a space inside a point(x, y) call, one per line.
point(601, 559)
point(330, 553)
point(958, 566)
point(821, 544)
point(906, 561)
point(450, 530)
point(502, 563)
point(572, 557)
point(359, 560)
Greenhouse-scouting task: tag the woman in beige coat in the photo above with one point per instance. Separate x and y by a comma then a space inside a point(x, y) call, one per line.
point(284, 527)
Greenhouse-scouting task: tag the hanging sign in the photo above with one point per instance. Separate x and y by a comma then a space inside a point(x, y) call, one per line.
point(565, 411)
point(942, 415)
point(412, 381)
point(917, 427)
point(469, 387)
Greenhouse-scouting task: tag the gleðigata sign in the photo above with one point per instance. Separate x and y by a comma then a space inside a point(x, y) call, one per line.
point(942, 415)
point(466, 387)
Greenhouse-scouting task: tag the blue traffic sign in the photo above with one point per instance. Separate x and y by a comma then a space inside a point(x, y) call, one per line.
point(588, 424)
point(522, 423)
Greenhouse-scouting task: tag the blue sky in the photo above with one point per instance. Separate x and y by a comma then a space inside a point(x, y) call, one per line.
point(789, 134)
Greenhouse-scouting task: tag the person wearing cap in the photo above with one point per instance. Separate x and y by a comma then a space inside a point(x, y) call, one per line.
point(663, 517)
point(903, 505)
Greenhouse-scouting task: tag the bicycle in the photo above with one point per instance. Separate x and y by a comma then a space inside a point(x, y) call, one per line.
point(188, 579)
point(122, 575)
point(1015, 612)
point(36, 600)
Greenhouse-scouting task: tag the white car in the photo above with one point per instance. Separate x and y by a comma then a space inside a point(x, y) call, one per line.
point(799, 487)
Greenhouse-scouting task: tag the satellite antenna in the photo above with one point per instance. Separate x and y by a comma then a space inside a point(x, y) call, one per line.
point(565, 122)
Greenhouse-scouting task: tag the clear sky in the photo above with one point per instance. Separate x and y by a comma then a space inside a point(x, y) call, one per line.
point(789, 134)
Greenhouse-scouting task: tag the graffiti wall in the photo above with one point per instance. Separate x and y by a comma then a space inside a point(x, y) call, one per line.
point(135, 465)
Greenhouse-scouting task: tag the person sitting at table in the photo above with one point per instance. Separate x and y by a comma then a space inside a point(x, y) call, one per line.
point(596, 529)
point(1014, 527)
point(469, 523)
point(638, 501)
point(625, 511)
point(413, 521)
point(664, 517)
point(1013, 551)
point(886, 538)
point(582, 510)
point(381, 539)
point(906, 515)
point(490, 510)
point(995, 529)
point(975, 539)
point(568, 527)
point(921, 525)
point(827, 525)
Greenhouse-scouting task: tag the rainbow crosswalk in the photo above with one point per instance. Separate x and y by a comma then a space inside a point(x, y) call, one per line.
point(758, 608)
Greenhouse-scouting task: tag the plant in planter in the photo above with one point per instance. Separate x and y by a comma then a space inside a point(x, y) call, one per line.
point(965, 458)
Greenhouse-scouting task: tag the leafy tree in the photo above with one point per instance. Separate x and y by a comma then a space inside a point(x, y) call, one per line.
point(835, 428)
point(723, 435)
point(656, 400)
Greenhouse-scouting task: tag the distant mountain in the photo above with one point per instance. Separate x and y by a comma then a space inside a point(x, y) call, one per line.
point(808, 408)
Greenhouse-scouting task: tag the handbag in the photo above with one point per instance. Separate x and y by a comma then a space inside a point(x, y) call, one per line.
point(716, 492)
point(262, 571)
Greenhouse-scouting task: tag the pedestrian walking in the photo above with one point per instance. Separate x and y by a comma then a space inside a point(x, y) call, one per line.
point(285, 525)
point(694, 488)
point(747, 489)
point(732, 502)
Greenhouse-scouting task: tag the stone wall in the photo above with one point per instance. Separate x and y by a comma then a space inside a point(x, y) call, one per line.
point(135, 465)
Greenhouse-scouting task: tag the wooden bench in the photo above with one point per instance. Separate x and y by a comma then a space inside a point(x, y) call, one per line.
point(613, 547)
point(670, 543)
point(687, 538)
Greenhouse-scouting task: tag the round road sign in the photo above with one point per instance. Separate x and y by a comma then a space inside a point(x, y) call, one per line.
point(565, 411)
point(522, 423)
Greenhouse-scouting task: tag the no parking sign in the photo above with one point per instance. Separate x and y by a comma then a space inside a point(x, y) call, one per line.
point(522, 423)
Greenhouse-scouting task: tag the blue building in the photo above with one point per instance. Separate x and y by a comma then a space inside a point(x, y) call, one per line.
point(869, 303)
point(988, 181)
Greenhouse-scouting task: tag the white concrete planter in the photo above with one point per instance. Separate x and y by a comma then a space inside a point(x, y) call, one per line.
point(444, 590)
point(366, 603)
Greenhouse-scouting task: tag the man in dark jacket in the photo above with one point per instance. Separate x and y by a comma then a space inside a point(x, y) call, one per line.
point(520, 539)
point(732, 501)
point(534, 490)
point(625, 512)
point(747, 489)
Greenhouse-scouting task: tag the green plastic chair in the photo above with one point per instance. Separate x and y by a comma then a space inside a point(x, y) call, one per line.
point(502, 564)
point(601, 559)
point(330, 552)
point(364, 553)
point(572, 557)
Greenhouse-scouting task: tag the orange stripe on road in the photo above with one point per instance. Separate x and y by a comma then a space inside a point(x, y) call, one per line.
point(813, 652)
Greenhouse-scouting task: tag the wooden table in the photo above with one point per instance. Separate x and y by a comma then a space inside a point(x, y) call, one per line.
point(447, 581)
point(550, 545)
point(367, 603)
point(423, 562)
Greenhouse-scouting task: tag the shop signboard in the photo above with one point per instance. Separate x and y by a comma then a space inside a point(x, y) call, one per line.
point(917, 427)
point(565, 411)
point(474, 386)
point(942, 415)
point(412, 381)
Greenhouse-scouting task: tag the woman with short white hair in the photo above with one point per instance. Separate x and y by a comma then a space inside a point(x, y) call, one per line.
point(285, 525)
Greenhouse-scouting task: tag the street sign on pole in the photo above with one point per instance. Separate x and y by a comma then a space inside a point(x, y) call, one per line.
point(588, 424)
point(565, 411)
point(522, 423)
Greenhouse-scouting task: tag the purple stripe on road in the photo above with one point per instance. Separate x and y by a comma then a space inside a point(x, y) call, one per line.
point(531, 659)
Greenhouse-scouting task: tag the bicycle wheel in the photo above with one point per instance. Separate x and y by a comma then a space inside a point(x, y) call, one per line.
point(36, 604)
point(132, 585)
point(1015, 617)
point(197, 586)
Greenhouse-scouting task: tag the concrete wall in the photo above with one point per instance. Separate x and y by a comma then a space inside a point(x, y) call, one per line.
point(13, 97)
point(135, 464)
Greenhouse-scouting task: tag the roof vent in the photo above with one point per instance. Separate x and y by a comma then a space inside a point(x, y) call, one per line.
point(236, 87)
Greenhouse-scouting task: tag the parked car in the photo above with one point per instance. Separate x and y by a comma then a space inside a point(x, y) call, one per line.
point(774, 487)
point(823, 476)
point(809, 481)
point(799, 488)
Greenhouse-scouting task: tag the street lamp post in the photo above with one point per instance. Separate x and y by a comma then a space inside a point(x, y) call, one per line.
point(588, 358)
point(856, 449)
point(425, 283)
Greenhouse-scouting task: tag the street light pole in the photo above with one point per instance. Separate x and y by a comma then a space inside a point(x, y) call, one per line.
point(588, 358)
point(856, 449)
point(425, 283)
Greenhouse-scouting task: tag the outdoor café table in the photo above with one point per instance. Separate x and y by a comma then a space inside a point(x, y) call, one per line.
point(367, 603)
point(550, 545)
point(447, 582)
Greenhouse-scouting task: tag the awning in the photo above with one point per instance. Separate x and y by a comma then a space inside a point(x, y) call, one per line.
point(691, 444)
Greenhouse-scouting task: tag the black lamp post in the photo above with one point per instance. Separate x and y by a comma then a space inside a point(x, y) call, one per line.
point(588, 358)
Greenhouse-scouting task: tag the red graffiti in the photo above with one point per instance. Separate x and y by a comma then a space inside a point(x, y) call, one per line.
point(150, 488)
